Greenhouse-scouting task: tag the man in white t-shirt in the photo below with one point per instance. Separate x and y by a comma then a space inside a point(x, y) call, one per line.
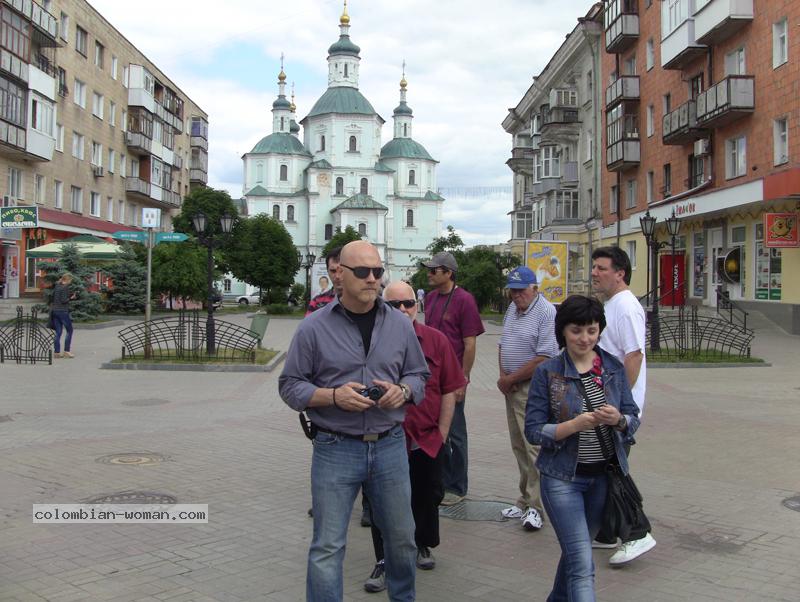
point(624, 338)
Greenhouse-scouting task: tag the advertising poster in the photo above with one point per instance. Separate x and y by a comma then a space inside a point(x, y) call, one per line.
point(781, 230)
point(319, 278)
point(548, 260)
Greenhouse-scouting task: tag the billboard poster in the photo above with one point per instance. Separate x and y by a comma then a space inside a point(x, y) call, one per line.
point(673, 279)
point(548, 260)
point(781, 230)
point(320, 282)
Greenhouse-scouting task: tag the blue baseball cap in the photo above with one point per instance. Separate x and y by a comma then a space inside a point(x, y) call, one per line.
point(521, 277)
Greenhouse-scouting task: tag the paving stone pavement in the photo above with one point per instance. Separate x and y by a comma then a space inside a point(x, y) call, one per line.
point(717, 454)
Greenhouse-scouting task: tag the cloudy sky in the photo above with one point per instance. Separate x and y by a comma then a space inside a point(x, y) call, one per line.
point(467, 62)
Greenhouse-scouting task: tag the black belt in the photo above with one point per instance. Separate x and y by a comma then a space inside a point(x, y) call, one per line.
point(364, 437)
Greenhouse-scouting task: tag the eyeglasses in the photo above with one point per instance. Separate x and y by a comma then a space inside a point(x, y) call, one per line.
point(407, 303)
point(362, 272)
point(433, 270)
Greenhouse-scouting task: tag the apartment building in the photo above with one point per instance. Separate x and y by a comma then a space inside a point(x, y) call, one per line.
point(700, 121)
point(91, 132)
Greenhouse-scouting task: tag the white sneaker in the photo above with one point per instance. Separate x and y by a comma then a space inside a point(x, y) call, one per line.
point(531, 521)
point(512, 512)
point(631, 550)
point(599, 545)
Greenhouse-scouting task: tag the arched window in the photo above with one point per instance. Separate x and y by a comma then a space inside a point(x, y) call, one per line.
point(259, 173)
point(226, 286)
point(339, 185)
point(362, 229)
point(352, 148)
point(328, 231)
point(412, 177)
point(364, 186)
point(281, 123)
point(290, 213)
point(409, 218)
point(322, 143)
point(405, 129)
point(284, 173)
point(276, 212)
point(345, 69)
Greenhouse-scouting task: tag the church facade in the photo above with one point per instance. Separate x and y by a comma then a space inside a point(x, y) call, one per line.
point(340, 174)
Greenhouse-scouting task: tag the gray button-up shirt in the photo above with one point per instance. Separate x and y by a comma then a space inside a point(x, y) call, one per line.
point(327, 351)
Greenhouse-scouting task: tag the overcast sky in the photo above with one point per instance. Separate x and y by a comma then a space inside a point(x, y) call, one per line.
point(467, 62)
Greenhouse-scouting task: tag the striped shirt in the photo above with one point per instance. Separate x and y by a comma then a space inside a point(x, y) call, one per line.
point(527, 334)
point(589, 449)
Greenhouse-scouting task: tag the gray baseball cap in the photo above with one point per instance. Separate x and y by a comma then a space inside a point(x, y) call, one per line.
point(442, 260)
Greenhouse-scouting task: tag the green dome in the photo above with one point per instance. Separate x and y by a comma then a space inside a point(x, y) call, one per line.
point(403, 109)
point(344, 46)
point(342, 100)
point(280, 144)
point(293, 127)
point(405, 148)
point(282, 103)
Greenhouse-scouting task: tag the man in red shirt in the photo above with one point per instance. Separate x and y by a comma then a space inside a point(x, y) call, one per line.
point(426, 426)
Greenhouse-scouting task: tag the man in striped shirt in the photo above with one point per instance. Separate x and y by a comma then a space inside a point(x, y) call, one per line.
point(528, 339)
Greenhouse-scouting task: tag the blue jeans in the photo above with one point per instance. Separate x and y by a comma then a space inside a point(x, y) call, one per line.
point(575, 509)
point(454, 470)
point(62, 320)
point(339, 467)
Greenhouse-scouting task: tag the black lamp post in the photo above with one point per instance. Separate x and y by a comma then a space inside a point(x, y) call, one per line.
point(309, 262)
point(210, 242)
point(674, 228)
point(648, 225)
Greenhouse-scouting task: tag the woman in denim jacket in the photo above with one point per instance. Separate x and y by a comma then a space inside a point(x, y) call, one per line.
point(579, 408)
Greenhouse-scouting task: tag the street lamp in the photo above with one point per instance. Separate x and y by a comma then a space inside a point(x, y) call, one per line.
point(210, 242)
point(648, 225)
point(309, 262)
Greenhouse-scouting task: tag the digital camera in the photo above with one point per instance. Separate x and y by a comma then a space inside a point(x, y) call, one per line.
point(374, 392)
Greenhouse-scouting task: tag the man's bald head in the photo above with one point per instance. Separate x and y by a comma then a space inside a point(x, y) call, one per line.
point(400, 291)
point(356, 250)
point(358, 294)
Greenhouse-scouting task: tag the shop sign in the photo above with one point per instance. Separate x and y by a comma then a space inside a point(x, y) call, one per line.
point(19, 217)
point(685, 209)
point(781, 230)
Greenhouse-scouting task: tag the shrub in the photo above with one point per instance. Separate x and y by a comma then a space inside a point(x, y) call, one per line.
point(278, 309)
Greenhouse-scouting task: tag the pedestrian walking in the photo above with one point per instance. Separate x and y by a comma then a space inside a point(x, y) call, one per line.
point(62, 320)
point(421, 300)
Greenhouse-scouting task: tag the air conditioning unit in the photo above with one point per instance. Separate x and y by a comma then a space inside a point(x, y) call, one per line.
point(702, 147)
point(97, 171)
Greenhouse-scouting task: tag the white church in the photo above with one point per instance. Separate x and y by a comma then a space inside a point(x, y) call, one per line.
point(339, 175)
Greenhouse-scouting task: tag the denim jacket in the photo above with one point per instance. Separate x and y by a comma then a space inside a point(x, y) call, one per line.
point(555, 397)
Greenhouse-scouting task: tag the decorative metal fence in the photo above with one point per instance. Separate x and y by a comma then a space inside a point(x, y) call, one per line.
point(685, 333)
point(184, 339)
point(25, 340)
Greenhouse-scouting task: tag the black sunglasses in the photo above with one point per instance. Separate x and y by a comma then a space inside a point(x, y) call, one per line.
point(407, 303)
point(362, 272)
point(433, 270)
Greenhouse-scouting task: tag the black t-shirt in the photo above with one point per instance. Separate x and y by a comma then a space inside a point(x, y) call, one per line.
point(365, 323)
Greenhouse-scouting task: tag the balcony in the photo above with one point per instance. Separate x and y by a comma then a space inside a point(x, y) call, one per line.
point(680, 47)
point(45, 25)
point(138, 143)
point(624, 88)
point(726, 101)
point(569, 173)
point(527, 200)
point(13, 65)
point(621, 31)
point(137, 187)
point(521, 160)
point(13, 141)
point(198, 175)
point(680, 126)
point(560, 125)
point(717, 20)
point(172, 199)
point(199, 142)
point(623, 148)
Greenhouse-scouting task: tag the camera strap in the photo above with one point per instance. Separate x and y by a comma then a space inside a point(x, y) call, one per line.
point(309, 428)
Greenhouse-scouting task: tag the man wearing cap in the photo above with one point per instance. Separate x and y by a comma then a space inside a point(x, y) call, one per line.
point(528, 339)
point(453, 311)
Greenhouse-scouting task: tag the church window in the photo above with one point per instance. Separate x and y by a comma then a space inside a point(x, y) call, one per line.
point(405, 129)
point(282, 123)
point(339, 185)
point(290, 213)
point(259, 173)
point(227, 285)
point(276, 212)
point(409, 218)
point(328, 231)
point(284, 173)
point(412, 177)
point(352, 148)
point(364, 186)
point(322, 143)
point(345, 69)
point(362, 229)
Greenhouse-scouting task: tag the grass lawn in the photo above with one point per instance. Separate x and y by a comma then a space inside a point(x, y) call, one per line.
point(701, 357)
point(263, 356)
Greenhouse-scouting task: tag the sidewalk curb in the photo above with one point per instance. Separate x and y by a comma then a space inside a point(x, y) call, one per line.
point(709, 365)
point(269, 367)
point(97, 325)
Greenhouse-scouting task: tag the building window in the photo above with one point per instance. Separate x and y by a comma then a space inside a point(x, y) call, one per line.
point(62, 32)
point(132, 217)
point(80, 93)
point(112, 113)
point(123, 124)
point(322, 143)
point(352, 145)
point(696, 86)
point(735, 62)
point(58, 194)
point(339, 185)
point(77, 145)
point(112, 156)
point(613, 200)
point(780, 140)
point(651, 118)
point(76, 199)
point(290, 213)
point(735, 157)
point(81, 38)
point(667, 103)
point(97, 154)
point(696, 170)
point(364, 186)
point(276, 212)
point(630, 65)
point(42, 114)
point(409, 218)
point(362, 229)
point(405, 129)
point(650, 180)
point(630, 196)
point(226, 285)
point(412, 177)
point(631, 244)
point(650, 55)
point(284, 173)
point(345, 70)
point(114, 67)
point(97, 105)
point(123, 166)
point(328, 231)
point(15, 33)
point(120, 211)
point(259, 173)
point(59, 138)
point(125, 76)
point(94, 204)
point(666, 189)
point(99, 52)
point(551, 167)
point(38, 189)
point(780, 43)
point(14, 183)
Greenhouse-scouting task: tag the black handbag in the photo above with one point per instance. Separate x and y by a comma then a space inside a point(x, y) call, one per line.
point(51, 321)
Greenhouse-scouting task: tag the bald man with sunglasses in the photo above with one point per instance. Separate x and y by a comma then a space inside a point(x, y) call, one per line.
point(354, 365)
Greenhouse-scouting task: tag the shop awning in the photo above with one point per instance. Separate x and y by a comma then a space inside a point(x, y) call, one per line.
point(89, 247)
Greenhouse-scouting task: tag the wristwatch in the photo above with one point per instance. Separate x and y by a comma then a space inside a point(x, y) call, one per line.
point(406, 392)
point(622, 423)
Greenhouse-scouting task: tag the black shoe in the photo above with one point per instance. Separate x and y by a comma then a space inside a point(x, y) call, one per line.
point(311, 512)
point(366, 521)
point(425, 560)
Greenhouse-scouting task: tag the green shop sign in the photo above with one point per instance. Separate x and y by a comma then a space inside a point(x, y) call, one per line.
point(19, 217)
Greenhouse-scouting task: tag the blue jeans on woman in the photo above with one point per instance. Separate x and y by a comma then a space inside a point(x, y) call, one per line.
point(62, 320)
point(339, 467)
point(575, 509)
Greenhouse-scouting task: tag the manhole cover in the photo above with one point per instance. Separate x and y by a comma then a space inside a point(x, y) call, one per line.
point(792, 503)
point(475, 510)
point(132, 459)
point(143, 403)
point(133, 497)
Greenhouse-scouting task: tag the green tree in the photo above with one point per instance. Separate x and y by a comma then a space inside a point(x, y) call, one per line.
point(86, 305)
point(341, 238)
point(179, 271)
point(128, 283)
point(261, 252)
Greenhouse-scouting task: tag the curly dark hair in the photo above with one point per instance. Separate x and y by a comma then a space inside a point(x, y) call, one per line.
point(619, 260)
point(581, 310)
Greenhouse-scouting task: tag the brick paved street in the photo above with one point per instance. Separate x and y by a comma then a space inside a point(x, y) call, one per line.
point(717, 454)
